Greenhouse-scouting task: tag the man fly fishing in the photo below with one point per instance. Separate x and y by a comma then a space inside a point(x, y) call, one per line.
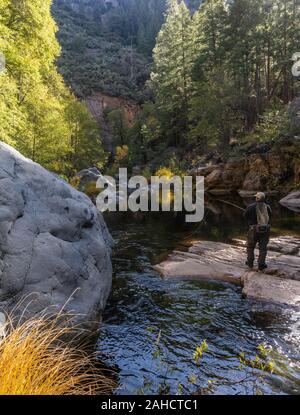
point(258, 217)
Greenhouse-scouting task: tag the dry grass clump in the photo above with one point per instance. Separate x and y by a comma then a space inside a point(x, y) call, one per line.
point(36, 359)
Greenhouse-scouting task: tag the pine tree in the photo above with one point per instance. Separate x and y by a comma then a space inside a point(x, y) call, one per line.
point(245, 57)
point(285, 32)
point(210, 25)
point(212, 116)
point(172, 73)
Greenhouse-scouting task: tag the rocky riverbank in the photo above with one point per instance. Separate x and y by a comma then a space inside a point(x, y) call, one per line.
point(280, 284)
point(272, 167)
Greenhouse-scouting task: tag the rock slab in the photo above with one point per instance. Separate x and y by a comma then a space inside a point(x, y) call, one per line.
point(54, 245)
point(275, 290)
point(280, 284)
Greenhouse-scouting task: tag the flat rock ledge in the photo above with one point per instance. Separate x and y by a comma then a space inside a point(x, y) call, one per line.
point(280, 284)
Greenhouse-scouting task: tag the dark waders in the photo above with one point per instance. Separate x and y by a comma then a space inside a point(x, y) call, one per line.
point(258, 235)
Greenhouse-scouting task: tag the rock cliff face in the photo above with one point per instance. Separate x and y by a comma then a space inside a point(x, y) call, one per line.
point(99, 103)
point(54, 244)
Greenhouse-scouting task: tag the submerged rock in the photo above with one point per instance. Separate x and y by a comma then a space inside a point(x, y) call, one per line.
point(225, 262)
point(54, 244)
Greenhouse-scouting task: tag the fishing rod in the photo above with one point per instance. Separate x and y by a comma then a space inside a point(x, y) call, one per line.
point(203, 221)
point(231, 204)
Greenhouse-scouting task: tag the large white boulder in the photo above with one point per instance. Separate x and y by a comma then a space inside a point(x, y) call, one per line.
point(54, 245)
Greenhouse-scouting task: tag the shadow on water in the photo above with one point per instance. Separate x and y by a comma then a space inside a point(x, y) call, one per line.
point(143, 306)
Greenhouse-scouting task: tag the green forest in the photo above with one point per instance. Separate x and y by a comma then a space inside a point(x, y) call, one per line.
point(39, 115)
point(221, 79)
point(105, 48)
point(207, 77)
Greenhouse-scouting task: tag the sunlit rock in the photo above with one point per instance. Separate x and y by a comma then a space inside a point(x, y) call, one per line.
point(225, 262)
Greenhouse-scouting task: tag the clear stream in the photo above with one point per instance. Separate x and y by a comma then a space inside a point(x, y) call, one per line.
point(152, 325)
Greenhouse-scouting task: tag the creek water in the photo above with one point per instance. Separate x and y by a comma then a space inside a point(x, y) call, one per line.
point(152, 326)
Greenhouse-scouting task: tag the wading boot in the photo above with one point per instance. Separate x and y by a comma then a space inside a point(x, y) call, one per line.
point(262, 267)
point(249, 264)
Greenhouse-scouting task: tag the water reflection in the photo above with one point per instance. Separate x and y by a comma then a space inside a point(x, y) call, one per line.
point(186, 312)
